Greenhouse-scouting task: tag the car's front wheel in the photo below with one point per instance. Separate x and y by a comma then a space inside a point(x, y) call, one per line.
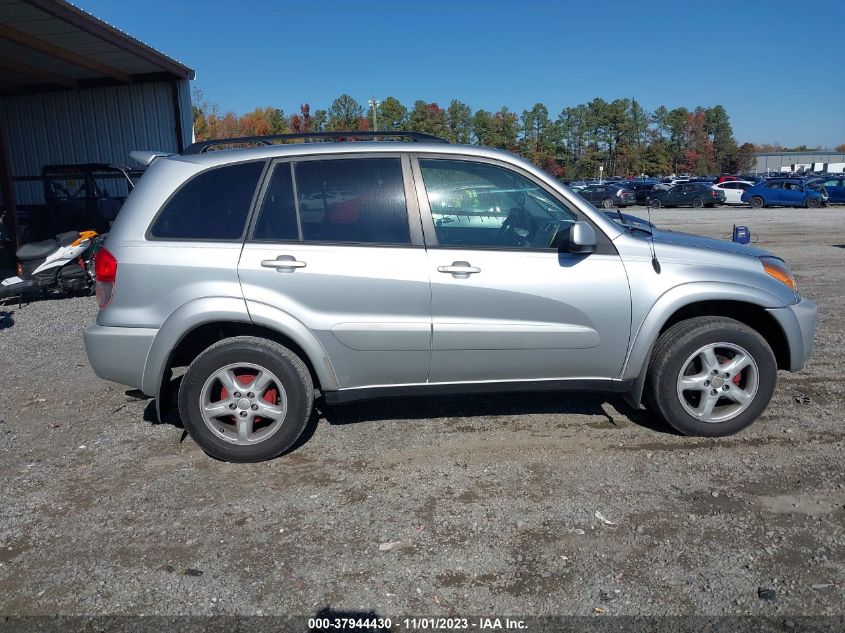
point(246, 399)
point(607, 203)
point(812, 203)
point(710, 376)
point(756, 202)
point(654, 204)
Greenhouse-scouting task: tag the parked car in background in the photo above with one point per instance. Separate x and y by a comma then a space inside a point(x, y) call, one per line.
point(629, 221)
point(608, 195)
point(725, 178)
point(733, 190)
point(835, 187)
point(642, 190)
point(784, 192)
point(688, 194)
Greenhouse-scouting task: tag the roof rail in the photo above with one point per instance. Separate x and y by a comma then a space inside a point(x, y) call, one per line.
point(202, 146)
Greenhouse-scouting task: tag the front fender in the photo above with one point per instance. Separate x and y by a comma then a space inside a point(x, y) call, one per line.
point(678, 297)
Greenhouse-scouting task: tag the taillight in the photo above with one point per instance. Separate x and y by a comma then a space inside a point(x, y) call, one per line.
point(105, 272)
point(714, 194)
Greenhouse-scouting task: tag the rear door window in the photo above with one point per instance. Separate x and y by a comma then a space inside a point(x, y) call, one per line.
point(213, 205)
point(356, 200)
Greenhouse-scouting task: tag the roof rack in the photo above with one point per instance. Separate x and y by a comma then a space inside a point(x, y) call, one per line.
point(202, 146)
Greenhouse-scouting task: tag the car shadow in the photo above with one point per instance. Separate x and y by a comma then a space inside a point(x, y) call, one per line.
point(480, 405)
point(442, 406)
point(6, 320)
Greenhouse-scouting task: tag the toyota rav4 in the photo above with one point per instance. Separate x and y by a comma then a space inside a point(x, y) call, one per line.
point(350, 270)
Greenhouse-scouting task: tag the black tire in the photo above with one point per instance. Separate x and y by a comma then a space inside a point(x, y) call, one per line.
point(697, 203)
point(757, 202)
point(287, 366)
point(607, 203)
point(654, 204)
point(670, 354)
point(812, 203)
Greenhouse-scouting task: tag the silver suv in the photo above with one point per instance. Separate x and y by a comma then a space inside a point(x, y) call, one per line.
point(370, 269)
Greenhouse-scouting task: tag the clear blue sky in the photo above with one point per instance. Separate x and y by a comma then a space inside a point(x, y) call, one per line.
point(775, 65)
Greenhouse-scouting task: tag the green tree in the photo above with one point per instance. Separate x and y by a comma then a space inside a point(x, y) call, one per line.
point(505, 132)
point(482, 128)
point(392, 115)
point(428, 118)
point(718, 126)
point(458, 122)
point(344, 114)
point(536, 126)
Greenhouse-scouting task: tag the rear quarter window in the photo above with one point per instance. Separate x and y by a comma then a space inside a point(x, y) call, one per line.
point(213, 205)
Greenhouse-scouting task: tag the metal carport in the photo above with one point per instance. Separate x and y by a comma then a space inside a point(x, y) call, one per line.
point(74, 89)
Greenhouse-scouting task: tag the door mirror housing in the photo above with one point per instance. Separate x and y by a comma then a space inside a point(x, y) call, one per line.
point(582, 238)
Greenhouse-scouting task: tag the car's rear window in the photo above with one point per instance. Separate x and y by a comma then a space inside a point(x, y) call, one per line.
point(211, 206)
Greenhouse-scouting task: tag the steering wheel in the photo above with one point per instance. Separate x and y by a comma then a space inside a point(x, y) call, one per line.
point(517, 229)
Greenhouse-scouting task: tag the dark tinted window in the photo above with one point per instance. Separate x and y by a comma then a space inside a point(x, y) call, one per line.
point(211, 206)
point(352, 200)
point(277, 218)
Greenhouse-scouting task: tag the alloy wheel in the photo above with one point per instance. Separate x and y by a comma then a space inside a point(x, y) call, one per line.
point(718, 382)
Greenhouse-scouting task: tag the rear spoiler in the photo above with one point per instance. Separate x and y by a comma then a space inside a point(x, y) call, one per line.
point(146, 158)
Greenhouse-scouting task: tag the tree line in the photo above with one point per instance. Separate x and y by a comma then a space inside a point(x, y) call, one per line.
point(620, 136)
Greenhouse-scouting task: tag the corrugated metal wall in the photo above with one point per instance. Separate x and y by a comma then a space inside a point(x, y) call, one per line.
point(774, 161)
point(92, 125)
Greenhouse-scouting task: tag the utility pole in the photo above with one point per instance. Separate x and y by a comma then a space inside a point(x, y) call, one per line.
point(374, 103)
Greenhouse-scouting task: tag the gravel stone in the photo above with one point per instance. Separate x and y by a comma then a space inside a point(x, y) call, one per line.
point(497, 493)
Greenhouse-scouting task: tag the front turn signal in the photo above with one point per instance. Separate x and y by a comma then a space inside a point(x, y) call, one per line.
point(780, 271)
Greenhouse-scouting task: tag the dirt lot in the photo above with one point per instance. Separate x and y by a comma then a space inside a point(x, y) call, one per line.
point(493, 503)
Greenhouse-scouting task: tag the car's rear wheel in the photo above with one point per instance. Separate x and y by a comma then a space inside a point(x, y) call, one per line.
point(654, 204)
point(756, 202)
point(812, 203)
point(246, 399)
point(607, 203)
point(710, 376)
point(697, 203)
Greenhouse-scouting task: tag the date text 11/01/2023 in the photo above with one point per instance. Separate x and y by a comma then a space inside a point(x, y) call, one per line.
point(418, 624)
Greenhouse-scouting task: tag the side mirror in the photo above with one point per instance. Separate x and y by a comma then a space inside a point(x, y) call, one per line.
point(582, 238)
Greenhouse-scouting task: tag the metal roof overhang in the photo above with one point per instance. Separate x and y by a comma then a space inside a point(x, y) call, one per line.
point(48, 45)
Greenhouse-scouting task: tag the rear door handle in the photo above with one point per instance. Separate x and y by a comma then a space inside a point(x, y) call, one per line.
point(282, 261)
point(461, 270)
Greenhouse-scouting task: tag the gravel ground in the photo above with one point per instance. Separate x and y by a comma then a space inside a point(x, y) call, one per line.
point(524, 504)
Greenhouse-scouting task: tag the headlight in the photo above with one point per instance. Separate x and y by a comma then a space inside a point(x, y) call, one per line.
point(778, 269)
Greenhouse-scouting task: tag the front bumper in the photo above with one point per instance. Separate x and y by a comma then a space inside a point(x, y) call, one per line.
point(119, 354)
point(798, 322)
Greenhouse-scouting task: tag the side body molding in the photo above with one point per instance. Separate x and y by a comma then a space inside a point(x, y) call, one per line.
point(678, 297)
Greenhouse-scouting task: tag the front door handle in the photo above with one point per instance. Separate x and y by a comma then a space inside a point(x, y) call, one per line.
point(460, 270)
point(282, 262)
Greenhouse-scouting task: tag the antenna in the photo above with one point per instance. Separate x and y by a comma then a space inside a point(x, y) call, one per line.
point(654, 263)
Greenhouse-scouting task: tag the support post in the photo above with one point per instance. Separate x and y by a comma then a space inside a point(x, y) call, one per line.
point(7, 188)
